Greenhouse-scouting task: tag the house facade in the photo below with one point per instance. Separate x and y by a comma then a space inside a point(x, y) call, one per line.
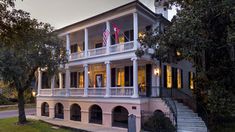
point(104, 81)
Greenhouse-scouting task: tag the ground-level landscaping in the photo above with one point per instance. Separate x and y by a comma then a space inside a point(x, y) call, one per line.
point(10, 125)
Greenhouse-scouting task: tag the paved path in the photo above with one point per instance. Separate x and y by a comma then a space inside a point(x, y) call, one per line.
point(14, 113)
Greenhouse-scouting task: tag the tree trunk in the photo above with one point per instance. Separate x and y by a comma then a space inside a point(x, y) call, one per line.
point(22, 117)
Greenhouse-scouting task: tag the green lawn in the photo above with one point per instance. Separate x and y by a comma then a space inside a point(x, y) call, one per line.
point(16, 107)
point(9, 125)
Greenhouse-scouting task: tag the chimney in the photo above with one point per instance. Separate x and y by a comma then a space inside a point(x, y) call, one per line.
point(160, 8)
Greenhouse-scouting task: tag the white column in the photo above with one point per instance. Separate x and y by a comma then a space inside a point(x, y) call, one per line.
point(39, 81)
point(60, 80)
point(135, 78)
point(108, 78)
point(86, 80)
point(68, 45)
point(52, 85)
point(135, 27)
point(86, 42)
point(67, 81)
point(108, 43)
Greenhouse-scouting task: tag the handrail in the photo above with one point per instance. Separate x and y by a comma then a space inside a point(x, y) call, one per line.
point(192, 103)
point(167, 97)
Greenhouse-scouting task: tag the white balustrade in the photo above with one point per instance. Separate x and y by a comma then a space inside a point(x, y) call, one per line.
point(77, 55)
point(98, 91)
point(45, 92)
point(122, 47)
point(97, 51)
point(121, 91)
point(76, 91)
point(59, 92)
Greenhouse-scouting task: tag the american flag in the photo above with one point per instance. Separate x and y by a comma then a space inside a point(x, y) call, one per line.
point(105, 37)
point(116, 32)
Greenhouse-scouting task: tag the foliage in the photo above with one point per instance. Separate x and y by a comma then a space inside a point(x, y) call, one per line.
point(26, 45)
point(159, 123)
point(4, 100)
point(203, 32)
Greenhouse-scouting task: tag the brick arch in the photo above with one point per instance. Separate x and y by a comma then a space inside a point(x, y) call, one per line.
point(45, 109)
point(95, 114)
point(75, 112)
point(120, 116)
point(59, 110)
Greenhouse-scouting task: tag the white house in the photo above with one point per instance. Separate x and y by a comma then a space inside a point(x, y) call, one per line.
point(104, 81)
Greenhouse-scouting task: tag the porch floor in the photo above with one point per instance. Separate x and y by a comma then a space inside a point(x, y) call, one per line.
point(81, 126)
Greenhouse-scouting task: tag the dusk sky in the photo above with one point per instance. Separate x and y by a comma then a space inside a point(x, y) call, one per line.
point(60, 13)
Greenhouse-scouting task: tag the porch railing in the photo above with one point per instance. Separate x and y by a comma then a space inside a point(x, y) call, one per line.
point(121, 47)
point(59, 92)
point(121, 91)
point(77, 55)
point(46, 92)
point(76, 91)
point(98, 91)
point(97, 51)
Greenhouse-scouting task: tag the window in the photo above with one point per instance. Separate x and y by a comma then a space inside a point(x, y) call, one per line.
point(141, 76)
point(80, 79)
point(191, 81)
point(120, 77)
point(169, 76)
point(179, 78)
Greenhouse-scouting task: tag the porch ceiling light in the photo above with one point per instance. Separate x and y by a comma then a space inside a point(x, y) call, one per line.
point(156, 71)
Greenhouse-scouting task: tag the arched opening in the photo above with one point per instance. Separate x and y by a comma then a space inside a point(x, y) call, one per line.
point(120, 117)
point(75, 112)
point(95, 114)
point(159, 112)
point(45, 109)
point(59, 111)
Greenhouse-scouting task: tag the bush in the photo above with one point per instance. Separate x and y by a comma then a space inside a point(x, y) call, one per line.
point(159, 123)
point(4, 100)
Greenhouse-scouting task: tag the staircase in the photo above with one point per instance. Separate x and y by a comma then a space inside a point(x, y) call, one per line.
point(187, 120)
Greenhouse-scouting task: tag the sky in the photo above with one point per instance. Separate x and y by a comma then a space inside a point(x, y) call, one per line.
point(60, 13)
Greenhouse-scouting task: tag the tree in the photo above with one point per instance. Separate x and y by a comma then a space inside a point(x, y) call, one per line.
point(26, 45)
point(203, 32)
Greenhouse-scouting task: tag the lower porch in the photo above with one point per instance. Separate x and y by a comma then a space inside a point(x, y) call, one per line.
point(122, 78)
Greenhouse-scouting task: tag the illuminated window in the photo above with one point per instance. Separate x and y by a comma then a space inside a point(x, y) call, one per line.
point(80, 80)
point(142, 79)
point(179, 78)
point(120, 77)
point(191, 82)
point(121, 39)
point(169, 76)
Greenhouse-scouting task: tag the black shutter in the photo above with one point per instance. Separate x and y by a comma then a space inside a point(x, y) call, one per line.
point(75, 79)
point(83, 46)
point(63, 76)
point(112, 39)
point(189, 79)
point(113, 77)
point(131, 35)
point(164, 76)
point(174, 77)
point(148, 79)
point(131, 75)
point(126, 36)
point(182, 78)
point(127, 77)
point(148, 28)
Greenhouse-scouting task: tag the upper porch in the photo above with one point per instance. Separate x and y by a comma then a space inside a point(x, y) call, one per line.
point(110, 33)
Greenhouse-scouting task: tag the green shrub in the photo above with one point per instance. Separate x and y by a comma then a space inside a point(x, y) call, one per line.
point(159, 123)
point(4, 100)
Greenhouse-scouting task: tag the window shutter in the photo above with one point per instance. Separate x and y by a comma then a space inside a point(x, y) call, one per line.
point(127, 77)
point(189, 76)
point(164, 76)
point(182, 78)
point(113, 77)
point(148, 79)
point(131, 75)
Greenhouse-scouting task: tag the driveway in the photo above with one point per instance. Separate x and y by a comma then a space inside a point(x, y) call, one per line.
point(14, 113)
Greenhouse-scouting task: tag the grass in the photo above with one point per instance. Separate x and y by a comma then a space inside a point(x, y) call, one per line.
point(16, 107)
point(10, 125)
point(228, 127)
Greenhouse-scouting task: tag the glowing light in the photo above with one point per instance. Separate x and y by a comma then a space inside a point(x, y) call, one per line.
point(156, 71)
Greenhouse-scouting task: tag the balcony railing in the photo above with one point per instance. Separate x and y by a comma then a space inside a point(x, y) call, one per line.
point(121, 47)
point(46, 92)
point(92, 92)
point(59, 92)
point(76, 91)
point(121, 91)
point(97, 51)
point(77, 55)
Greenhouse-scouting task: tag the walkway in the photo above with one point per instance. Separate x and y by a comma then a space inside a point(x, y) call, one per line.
point(14, 113)
point(81, 126)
